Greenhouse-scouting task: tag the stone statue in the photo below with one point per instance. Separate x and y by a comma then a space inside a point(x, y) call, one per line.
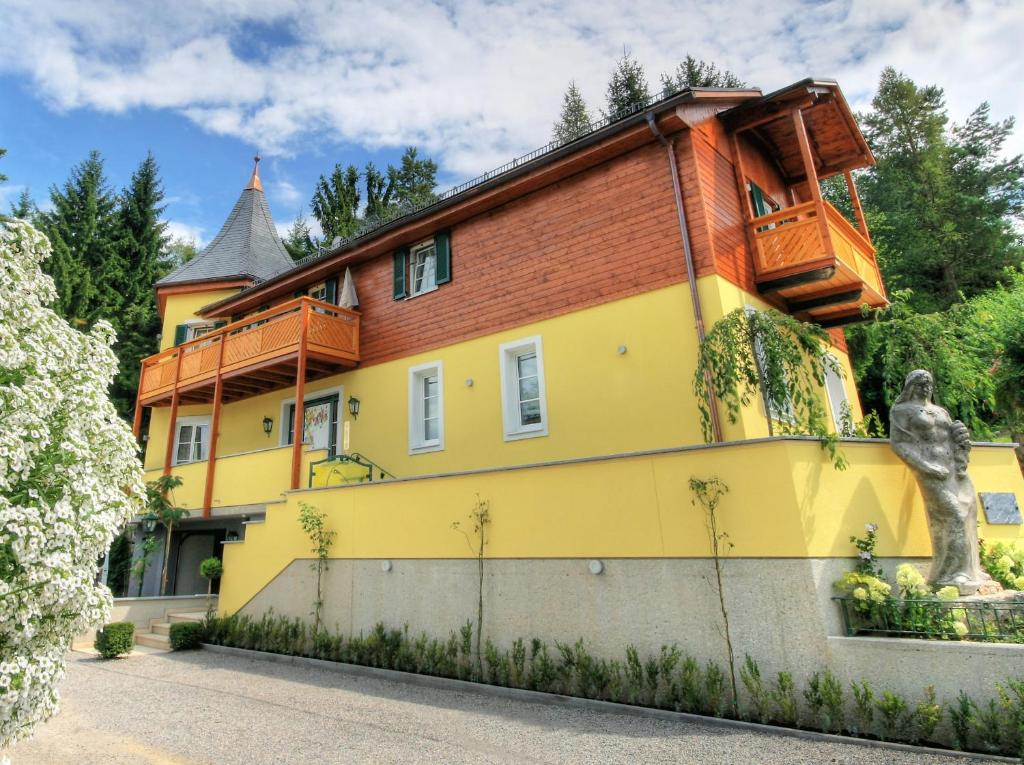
point(937, 449)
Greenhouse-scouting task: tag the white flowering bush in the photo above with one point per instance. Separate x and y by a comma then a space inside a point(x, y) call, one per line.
point(69, 480)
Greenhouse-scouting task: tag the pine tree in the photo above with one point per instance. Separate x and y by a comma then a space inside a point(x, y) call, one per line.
point(24, 208)
point(697, 73)
point(627, 89)
point(574, 120)
point(299, 241)
point(941, 202)
point(83, 227)
point(400, 188)
point(335, 203)
point(142, 244)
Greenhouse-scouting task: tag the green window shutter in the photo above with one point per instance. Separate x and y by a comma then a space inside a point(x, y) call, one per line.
point(400, 258)
point(332, 291)
point(757, 196)
point(299, 293)
point(219, 324)
point(180, 333)
point(443, 253)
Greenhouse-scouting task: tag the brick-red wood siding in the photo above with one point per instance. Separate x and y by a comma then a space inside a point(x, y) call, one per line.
point(605, 234)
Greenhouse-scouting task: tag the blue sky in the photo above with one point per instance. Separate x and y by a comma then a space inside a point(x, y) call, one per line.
point(474, 83)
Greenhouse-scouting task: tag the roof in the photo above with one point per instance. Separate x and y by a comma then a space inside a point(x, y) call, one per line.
point(247, 245)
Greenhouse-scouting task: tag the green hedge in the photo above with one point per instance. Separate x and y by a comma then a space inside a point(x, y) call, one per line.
point(115, 639)
point(186, 636)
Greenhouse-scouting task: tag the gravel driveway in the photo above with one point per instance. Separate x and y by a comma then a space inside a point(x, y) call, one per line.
point(202, 707)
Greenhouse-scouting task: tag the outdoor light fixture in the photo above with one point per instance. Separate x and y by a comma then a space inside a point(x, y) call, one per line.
point(353, 407)
point(268, 425)
point(149, 523)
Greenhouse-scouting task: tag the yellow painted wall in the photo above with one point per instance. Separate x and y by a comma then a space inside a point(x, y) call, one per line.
point(785, 500)
point(185, 306)
point(598, 401)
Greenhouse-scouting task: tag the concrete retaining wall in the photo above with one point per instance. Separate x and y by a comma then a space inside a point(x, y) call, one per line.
point(780, 613)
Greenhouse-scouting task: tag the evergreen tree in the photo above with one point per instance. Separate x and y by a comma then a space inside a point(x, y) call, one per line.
point(335, 203)
point(627, 89)
point(142, 243)
point(401, 188)
point(941, 203)
point(574, 120)
point(299, 241)
point(24, 208)
point(697, 73)
point(83, 229)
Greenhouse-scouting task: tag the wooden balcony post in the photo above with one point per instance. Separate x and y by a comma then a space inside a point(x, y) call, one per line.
point(211, 458)
point(174, 416)
point(851, 189)
point(812, 180)
point(300, 393)
point(746, 211)
point(137, 422)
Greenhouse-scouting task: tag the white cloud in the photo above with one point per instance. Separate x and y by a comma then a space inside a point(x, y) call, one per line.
point(176, 229)
point(476, 83)
point(286, 192)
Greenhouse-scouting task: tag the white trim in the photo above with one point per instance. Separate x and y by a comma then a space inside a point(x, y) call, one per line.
point(418, 445)
point(282, 431)
point(514, 430)
point(832, 381)
point(200, 420)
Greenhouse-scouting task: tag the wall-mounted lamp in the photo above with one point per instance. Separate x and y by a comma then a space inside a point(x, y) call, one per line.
point(149, 523)
point(268, 425)
point(596, 567)
point(353, 407)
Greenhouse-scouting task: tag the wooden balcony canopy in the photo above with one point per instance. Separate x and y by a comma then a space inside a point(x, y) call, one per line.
point(808, 256)
point(255, 355)
point(836, 142)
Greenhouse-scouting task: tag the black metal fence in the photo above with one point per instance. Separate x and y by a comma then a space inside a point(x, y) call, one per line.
point(1001, 622)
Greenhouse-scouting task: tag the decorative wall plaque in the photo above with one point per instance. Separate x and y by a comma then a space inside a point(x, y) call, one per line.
point(1001, 507)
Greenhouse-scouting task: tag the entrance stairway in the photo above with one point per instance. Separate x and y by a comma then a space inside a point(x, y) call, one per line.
point(160, 628)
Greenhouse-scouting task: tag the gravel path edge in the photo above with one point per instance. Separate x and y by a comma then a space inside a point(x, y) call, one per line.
point(593, 705)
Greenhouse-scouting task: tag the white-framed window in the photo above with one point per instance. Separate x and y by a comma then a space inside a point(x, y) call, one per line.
point(422, 268)
point(318, 291)
point(524, 404)
point(426, 408)
point(191, 440)
point(837, 398)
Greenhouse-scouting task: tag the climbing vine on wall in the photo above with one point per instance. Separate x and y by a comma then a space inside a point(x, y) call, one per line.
point(750, 353)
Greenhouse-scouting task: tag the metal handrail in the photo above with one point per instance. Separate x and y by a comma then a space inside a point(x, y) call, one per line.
point(354, 458)
point(934, 619)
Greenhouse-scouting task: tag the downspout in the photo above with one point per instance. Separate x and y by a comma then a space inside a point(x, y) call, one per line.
point(691, 272)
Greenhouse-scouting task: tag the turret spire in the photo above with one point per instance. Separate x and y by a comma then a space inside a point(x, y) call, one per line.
point(254, 181)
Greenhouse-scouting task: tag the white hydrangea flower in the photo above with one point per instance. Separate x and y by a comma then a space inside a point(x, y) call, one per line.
point(70, 478)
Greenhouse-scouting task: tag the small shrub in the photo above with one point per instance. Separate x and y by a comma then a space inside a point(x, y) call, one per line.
point(115, 639)
point(186, 636)
point(690, 682)
point(1011, 699)
point(988, 727)
point(784, 698)
point(863, 707)
point(750, 674)
point(961, 716)
point(715, 696)
point(634, 675)
point(542, 668)
point(894, 715)
point(926, 716)
point(832, 699)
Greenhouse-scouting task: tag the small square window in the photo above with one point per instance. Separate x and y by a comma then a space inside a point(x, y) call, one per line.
point(524, 407)
point(191, 440)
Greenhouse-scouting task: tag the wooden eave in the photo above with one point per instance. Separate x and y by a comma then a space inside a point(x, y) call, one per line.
point(579, 155)
point(203, 285)
point(837, 145)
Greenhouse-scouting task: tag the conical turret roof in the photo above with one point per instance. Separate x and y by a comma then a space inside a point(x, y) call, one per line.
point(246, 246)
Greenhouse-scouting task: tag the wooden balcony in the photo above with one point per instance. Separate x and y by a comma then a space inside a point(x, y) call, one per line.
point(255, 355)
point(814, 259)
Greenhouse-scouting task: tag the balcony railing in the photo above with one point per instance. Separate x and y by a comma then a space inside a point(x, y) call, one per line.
point(810, 252)
point(330, 334)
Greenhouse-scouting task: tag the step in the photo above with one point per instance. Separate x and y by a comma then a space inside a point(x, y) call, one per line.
point(186, 616)
point(160, 628)
point(153, 640)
